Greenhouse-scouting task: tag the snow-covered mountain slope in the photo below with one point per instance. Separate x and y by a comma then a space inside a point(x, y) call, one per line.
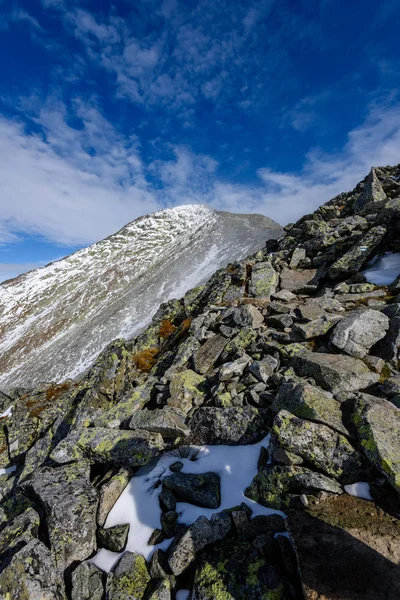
point(55, 320)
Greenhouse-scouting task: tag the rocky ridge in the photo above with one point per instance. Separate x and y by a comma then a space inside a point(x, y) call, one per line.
point(55, 320)
point(291, 341)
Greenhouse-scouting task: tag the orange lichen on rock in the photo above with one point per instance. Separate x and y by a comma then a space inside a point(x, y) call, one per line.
point(166, 329)
point(146, 359)
point(55, 390)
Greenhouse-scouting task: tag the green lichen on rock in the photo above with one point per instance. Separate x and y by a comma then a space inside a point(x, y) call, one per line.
point(378, 426)
point(128, 579)
point(187, 389)
point(264, 280)
point(236, 570)
point(113, 446)
point(310, 403)
point(321, 446)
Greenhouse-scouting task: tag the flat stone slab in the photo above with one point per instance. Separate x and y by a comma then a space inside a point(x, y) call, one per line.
point(334, 372)
point(347, 549)
point(359, 331)
point(311, 403)
point(205, 357)
point(299, 281)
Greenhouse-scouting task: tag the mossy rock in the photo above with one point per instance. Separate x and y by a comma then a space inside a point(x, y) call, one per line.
point(128, 579)
point(237, 571)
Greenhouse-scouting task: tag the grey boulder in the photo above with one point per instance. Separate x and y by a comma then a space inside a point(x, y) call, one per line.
point(198, 489)
point(334, 372)
point(359, 331)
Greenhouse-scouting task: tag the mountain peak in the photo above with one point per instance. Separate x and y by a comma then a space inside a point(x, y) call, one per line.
point(56, 319)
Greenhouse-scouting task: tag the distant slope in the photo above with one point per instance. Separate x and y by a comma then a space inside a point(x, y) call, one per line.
point(55, 320)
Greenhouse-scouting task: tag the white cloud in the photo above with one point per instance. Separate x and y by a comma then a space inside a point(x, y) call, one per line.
point(76, 186)
point(56, 188)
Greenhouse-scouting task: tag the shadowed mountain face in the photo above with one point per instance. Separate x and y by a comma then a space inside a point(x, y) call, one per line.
point(54, 321)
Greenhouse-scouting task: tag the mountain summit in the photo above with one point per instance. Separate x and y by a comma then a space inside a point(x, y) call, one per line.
point(55, 320)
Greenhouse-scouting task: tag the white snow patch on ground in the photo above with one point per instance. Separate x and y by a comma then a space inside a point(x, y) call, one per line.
point(182, 594)
point(359, 489)
point(8, 470)
point(138, 504)
point(383, 270)
point(7, 413)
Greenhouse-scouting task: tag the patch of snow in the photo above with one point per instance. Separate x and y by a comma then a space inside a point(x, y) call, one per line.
point(359, 489)
point(7, 413)
point(8, 470)
point(384, 269)
point(182, 594)
point(138, 504)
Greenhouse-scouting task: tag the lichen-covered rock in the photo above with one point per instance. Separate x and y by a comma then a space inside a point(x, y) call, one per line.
point(113, 446)
point(201, 533)
point(389, 215)
point(18, 532)
point(319, 445)
point(346, 548)
point(389, 347)
point(87, 582)
point(318, 327)
point(238, 571)
point(243, 316)
point(128, 579)
point(234, 368)
point(36, 456)
point(168, 422)
point(261, 524)
point(4, 458)
point(161, 590)
point(205, 357)
point(110, 491)
point(113, 538)
point(198, 489)
point(32, 574)
point(184, 353)
point(264, 280)
point(263, 369)
point(70, 503)
point(353, 261)
point(334, 372)
point(372, 192)
point(310, 403)
point(238, 344)
point(299, 281)
point(378, 426)
point(33, 414)
point(230, 426)
point(274, 484)
point(359, 331)
point(187, 389)
point(114, 416)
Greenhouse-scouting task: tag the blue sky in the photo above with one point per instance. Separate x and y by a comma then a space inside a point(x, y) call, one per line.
point(111, 110)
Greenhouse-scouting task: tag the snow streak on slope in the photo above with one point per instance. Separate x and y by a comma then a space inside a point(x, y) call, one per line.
point(55, 320)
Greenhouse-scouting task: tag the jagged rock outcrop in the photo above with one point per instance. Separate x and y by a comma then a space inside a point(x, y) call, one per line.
point(291, 342)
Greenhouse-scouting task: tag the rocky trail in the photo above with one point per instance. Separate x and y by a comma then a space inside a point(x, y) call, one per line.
point(245, 446)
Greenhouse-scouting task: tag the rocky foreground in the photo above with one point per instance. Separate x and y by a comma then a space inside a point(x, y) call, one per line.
point(291, 342)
